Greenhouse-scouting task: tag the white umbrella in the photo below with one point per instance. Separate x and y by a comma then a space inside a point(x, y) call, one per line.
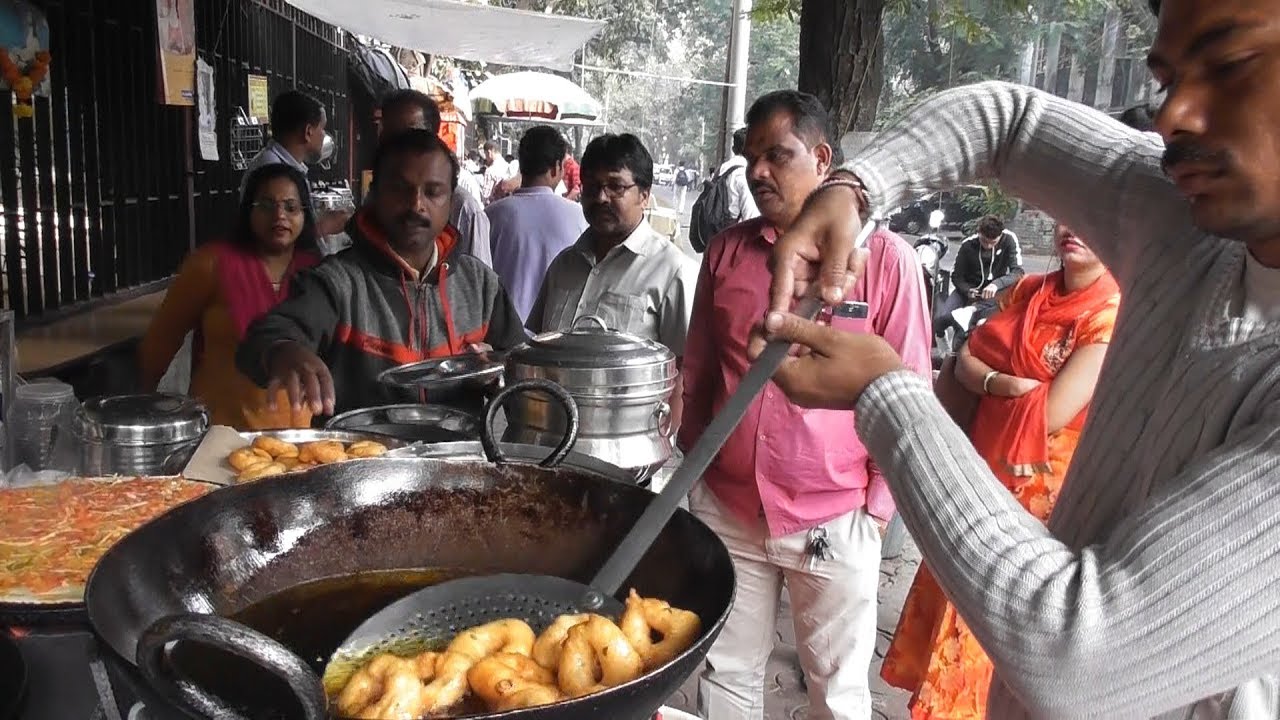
point(535, 96)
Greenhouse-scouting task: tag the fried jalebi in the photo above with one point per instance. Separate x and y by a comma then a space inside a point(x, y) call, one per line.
point(470, 647)
point(257, 472)
point(503, 664)
point(550, 644)
point(496, 678)
point(277, 447)
point(322, 452)
point(676, 628)
point(506, 636)
point(531, 695)
point(247, 457)
point(382, 691)
point(366, 449)
point(597, 656)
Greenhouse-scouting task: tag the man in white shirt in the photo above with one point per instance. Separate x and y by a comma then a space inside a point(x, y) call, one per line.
point(496, 170)
point(406, 109)
point(297, 138)
point(742, 205)
point(620, 269)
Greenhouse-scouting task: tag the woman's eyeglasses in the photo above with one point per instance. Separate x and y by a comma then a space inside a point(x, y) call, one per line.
point(291, 207)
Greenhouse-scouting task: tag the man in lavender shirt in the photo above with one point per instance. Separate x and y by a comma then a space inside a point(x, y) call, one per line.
point(529, 228)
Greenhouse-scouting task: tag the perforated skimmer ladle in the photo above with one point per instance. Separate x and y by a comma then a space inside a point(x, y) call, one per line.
point(442, 611)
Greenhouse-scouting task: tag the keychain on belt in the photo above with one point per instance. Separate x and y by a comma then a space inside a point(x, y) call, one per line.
point(818, 547)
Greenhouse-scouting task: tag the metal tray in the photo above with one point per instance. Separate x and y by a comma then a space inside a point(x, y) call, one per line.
point(346, 437)
point(57, 613)
point(467, 370)
point(411, 423)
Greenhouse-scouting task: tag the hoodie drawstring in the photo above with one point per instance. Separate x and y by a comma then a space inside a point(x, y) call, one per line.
point(447, 310)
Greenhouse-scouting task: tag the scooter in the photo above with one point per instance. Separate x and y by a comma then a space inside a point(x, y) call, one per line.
point(930, 249)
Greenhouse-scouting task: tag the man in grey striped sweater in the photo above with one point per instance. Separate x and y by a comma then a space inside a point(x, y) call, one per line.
point(1155, 589)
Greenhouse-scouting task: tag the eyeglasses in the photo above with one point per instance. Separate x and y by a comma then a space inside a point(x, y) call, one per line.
point(613, 190)
point(291, 207)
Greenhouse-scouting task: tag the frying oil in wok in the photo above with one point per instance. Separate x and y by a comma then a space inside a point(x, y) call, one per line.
point(314, 618)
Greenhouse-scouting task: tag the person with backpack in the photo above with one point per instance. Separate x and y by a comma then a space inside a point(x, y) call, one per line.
point(726, 200)
point(684, 179)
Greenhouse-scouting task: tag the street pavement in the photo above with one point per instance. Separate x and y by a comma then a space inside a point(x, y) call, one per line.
point(785, 697)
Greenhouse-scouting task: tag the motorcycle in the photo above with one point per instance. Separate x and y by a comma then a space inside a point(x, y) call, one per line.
point(930, 249)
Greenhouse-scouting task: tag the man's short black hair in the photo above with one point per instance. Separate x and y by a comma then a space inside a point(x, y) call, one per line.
point(739, 141)
point(414, 141)
point(293, 111)
point(990, 227)
point(619, 152)
point(540, 149)
point(491, 145)
point(809, 116)
point(394, 102)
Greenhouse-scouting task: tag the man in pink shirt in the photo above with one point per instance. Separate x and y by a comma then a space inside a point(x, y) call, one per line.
point(793, 493)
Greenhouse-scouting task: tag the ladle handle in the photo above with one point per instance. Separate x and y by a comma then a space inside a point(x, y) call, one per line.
point(228, 635)
point(633, 547)
point(489, 442)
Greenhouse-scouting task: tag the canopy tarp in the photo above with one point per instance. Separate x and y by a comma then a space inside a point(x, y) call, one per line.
point(462, 30)
point(535, 95)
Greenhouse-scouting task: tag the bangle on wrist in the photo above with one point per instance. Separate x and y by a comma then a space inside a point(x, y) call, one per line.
point(859, 191)
point(986, 381)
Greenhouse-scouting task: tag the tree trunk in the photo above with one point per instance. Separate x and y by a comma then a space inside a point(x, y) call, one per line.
point(842, 58)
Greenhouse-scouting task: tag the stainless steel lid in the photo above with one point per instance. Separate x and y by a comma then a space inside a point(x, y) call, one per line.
point(479, 369)
point(152, 419)
point(590, 345)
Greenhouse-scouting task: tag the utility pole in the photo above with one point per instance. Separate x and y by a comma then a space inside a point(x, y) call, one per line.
point(739, 53)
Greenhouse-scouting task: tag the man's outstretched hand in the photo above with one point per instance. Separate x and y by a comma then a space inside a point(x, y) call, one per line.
point(832, 368)
point(303, 376)
point(819, 247)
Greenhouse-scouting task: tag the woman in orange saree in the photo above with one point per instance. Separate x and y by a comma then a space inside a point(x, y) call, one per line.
point(1033, 367)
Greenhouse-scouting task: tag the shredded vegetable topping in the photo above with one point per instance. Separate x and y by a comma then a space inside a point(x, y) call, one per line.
point(51, 536)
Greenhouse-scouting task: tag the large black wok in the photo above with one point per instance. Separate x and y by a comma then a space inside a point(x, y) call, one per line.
point(455, 513)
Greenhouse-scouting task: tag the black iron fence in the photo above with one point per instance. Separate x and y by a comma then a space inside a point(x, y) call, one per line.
point(103, 191)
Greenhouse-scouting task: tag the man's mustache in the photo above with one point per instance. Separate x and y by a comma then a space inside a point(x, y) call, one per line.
point(1189, 151)
point(414, 221)
point(757, 187)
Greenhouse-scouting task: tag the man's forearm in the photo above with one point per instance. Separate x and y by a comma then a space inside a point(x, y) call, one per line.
point(1010, 278)
point(1075, 163)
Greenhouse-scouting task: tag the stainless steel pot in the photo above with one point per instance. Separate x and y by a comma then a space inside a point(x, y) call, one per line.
point(141, 435)
point(621, 383)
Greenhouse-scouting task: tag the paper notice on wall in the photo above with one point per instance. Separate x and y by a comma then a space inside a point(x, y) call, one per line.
point(176, 33)
point(259, 105)
point(208, 125)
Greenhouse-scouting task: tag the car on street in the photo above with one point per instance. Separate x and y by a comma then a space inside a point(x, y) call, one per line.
point(664, 174)
point(913, 218)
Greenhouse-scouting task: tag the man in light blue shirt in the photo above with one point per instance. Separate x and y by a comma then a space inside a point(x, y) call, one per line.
point(529, 228)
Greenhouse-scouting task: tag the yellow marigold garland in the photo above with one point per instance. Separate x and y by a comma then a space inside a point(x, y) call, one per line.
point(24, 84)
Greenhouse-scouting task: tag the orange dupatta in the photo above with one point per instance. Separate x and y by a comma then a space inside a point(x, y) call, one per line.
point(1013, 432)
